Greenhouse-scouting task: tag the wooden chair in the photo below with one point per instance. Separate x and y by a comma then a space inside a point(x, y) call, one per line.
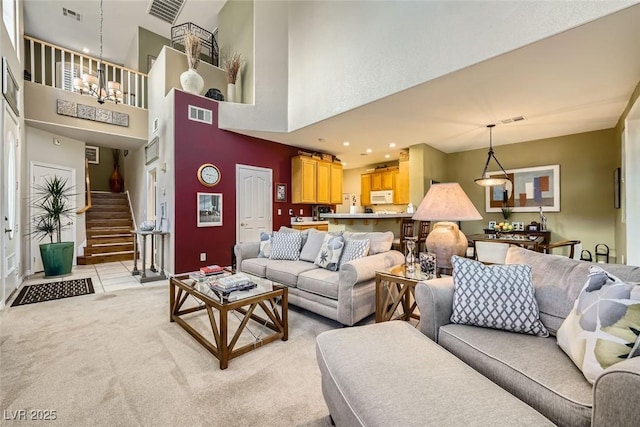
point(423, 232)
point(406, 231)
point(575, 247)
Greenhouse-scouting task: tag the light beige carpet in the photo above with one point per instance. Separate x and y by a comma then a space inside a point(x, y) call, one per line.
point(115, 359)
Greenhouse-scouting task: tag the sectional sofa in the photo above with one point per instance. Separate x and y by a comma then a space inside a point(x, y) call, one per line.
point(439, 391)
point(346, 295)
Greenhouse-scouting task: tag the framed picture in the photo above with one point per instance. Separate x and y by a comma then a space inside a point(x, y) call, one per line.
point(209, 209)
point(616, 188)
point(529, 190)
point(9, 86)
point(92, 154)
point(281, 192)
point(492, 225)
point(151, 151)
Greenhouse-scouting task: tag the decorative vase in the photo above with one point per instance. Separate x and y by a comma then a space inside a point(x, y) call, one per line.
point(192, 82)
point(231, 92)
point(116, 183)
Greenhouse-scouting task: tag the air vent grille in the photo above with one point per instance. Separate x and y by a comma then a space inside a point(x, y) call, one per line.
point(201, 115)
point(513, 119)
point(167, 10)
point(71, 14)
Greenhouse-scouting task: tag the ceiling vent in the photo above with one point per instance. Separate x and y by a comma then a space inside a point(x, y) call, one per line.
point(71, 14)
point(512, 119)
point(167, 10)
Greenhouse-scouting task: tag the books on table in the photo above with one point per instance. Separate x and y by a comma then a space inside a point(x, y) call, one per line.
point(234, 282)
point(211, 269)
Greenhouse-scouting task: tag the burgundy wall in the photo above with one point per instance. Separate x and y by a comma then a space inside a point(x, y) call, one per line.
point(197, 143)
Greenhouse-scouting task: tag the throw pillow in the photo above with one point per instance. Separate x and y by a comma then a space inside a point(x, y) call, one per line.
point(304, 233)
point(354, 249)
point(495, 296)
point(286, 246)
point(604, 326)
point(311, 248)
point(329, 255)
point(265, 245)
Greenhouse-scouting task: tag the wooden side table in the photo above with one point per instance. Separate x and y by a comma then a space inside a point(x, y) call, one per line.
point(395, 289)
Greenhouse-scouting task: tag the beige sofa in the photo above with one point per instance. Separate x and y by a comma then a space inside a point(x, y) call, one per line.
point(533, 369)
point(347, 295)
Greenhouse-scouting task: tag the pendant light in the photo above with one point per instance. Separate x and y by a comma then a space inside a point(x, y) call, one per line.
point(490, 181)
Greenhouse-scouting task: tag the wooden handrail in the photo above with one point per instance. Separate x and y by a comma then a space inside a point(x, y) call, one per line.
point(87, 188)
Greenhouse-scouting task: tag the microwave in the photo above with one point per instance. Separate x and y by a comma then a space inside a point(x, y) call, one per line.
point(382, 197)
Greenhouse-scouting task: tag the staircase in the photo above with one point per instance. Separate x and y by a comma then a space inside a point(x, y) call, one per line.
point(109, 226)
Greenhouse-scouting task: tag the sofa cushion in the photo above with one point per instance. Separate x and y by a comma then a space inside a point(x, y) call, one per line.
point(378, 241)
point(286, 272)
point(265, 244)
point(320, 281)
point(329, 255)
point(255, 266)
point(354, 249)
point(286, 246)
point(558, 281)
point(495, 296)
point(604, 325)
point(534, 369)
point(312, 247)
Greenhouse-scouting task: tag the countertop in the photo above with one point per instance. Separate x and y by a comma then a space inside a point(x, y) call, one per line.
point(309, 222)
point(375, 215)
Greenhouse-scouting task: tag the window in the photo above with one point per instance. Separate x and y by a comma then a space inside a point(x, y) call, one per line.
point(9, 18)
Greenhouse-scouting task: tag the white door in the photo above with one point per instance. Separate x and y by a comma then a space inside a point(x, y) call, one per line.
point(253, 202)
point(9, 203)
point(40, 171)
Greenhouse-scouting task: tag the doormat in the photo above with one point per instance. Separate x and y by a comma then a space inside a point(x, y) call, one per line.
point(56, 290)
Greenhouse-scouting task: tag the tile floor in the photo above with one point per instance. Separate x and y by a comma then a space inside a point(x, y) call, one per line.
point(107, 277)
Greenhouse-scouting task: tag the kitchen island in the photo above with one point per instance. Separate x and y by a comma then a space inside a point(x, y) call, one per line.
point(377, 221)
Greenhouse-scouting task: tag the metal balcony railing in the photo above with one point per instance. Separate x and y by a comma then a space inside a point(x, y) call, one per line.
point(56, 67)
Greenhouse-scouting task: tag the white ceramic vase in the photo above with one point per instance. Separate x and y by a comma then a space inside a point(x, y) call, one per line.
point(231, 92)
point(192, 82)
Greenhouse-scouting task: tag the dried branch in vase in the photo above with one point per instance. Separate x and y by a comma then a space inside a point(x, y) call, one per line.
point(192, 49)
point(232, 66)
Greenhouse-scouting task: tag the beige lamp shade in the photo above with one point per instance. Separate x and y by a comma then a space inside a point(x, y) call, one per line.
point(444, 203)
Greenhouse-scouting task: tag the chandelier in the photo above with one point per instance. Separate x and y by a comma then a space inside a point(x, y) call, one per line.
point(489, 181)
point(95, 85)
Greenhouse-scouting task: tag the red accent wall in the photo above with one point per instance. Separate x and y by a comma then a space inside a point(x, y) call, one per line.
point(197, 143)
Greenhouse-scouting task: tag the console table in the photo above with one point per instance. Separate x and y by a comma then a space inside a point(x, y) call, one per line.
point(152, 273)
point(545, 234)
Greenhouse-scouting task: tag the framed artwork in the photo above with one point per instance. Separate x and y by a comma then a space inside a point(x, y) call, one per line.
point(92, 154)
point(9, 86)
point(209, 209)
point(529, 190)
point(616, 188)
point(151, 151)
point(281, 192)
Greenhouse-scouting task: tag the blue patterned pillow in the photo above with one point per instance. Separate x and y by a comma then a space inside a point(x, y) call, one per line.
point(286, 246)
point(330, 251)
point(354, 249)
point(265, 245)
point(495, 296)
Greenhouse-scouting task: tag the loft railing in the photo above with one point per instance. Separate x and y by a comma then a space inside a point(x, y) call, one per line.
point(54, 66)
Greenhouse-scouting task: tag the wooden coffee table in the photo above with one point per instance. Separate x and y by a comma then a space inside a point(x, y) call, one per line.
point(395, 291)
point(264, 297)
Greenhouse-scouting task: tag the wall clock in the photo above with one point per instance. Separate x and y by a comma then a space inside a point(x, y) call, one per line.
point(208, 174)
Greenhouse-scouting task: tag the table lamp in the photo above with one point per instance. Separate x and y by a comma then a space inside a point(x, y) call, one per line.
point(444, 203)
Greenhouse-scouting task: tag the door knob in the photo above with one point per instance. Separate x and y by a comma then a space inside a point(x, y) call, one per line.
point(6, 230)
point(242, 224)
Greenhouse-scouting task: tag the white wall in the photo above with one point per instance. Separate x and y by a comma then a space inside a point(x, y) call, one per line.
point(631, 187)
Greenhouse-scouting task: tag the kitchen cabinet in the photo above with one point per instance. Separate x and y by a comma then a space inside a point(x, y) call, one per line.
point(382, 180)
point(336, 183)
point(303, 179)
point(320, 226)
point(315, 181)
point(365, 189)
point(401, 184)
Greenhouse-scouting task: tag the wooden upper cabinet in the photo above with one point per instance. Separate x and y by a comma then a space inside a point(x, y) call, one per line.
point(323, 182)
point(336, 183)
point(376, 181)
point(365, 189)
point(387, 180)
point(401, 184)
point(303, 179)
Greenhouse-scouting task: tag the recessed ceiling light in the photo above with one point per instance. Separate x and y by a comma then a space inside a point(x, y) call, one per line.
point(344, 163)
point(320, 139)
point(392, 144)
point(369, 150)
point(346, 143)
point(386, 156)
point(85, 50)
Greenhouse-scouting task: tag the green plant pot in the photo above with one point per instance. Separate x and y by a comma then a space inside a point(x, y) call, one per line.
point(57, 258)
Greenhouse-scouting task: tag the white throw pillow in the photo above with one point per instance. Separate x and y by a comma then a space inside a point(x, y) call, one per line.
point(329, 255)
point(354, 249)
point(311, 248)
point(604, 326)
point(265, 245)
point(495, 296)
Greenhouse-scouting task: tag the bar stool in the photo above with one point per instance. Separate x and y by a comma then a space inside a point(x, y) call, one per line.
point(406, 231)
point(423, 232)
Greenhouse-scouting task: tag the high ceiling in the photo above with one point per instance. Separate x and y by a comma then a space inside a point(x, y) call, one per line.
point(576, 81)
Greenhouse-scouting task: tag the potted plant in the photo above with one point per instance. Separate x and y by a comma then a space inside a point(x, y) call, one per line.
point(52, 201)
